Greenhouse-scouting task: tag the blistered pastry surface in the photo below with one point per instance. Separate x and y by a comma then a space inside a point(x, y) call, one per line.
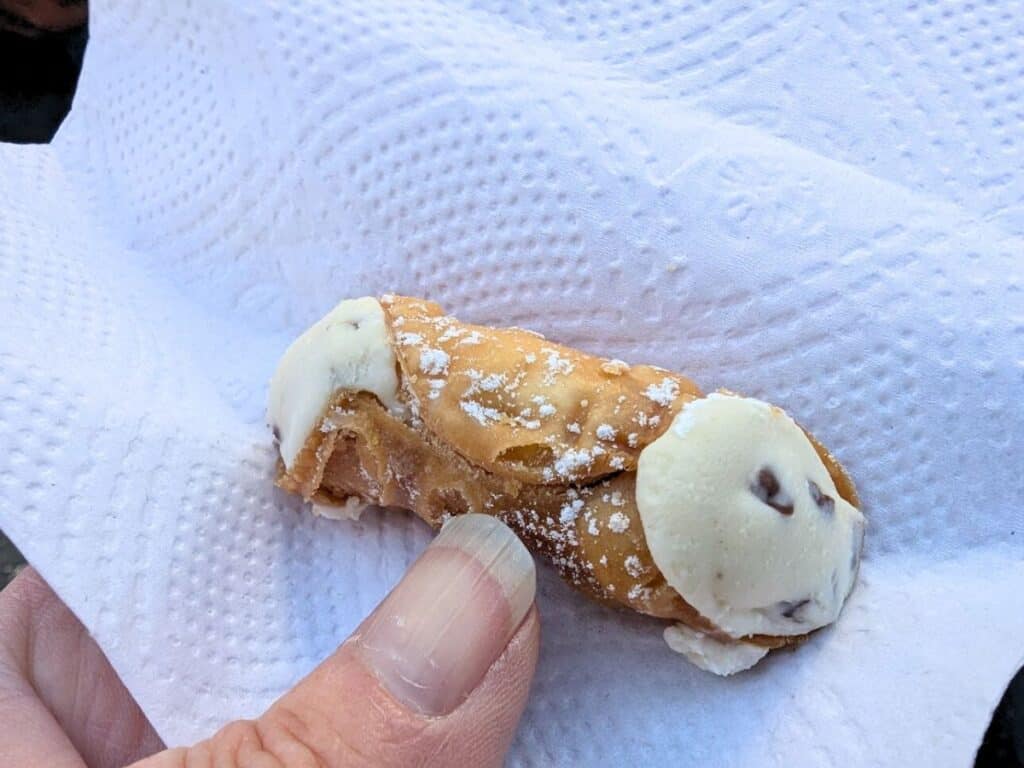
point(525, 407)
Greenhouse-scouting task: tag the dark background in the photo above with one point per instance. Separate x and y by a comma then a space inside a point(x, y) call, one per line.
point(11, 560)
point(41, 47)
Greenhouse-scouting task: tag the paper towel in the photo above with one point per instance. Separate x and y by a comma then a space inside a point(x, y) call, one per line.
point(820, 207)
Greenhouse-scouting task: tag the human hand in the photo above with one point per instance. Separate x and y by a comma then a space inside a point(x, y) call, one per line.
point(438, 674)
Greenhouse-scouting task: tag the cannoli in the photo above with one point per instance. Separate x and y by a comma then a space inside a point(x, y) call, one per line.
point(716, 513)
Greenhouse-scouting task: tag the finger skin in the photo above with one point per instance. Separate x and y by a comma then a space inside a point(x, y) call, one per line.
point(340, 715)
point(61, 703)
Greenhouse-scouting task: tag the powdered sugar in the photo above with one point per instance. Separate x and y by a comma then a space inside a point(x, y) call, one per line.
point(405, 338)
point(556, 365)
point(639, 593)
point(491, 382)
point(573, 427)
point(663, 393)
point(605, 432)
point(633, 566)
point(614, 498)
point(483, 383)
point(483, 415)
point(544, 408)
point(618, 522)
point(570, 510)
point(473, 337)
point(452, 332)
point(570, 462)
point(433, 362)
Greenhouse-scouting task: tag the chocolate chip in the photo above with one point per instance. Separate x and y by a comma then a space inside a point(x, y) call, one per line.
point(277, 433)
point(767, 488)
point(354, 324)
point(768, 481)
point(789, 608)
point(825, 502)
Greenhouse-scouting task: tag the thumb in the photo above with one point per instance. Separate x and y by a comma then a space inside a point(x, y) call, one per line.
point(437, 675)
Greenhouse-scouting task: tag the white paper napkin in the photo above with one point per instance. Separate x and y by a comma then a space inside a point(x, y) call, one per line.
point(822, 208)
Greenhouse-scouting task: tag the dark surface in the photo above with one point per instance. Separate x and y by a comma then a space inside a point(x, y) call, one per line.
point(1003, 744)
point(11, 560)
point(38, 75)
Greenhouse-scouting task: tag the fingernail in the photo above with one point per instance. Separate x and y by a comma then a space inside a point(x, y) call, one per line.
point(435, 636)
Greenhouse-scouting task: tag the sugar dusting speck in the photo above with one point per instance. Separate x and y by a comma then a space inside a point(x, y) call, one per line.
point(406, 339)
point(556, 365)
point(638, 592)
point(544, 408)
point(571, 461)
point(473, 337)
point(482, 414)
point(433, 362)
point(618, 523)
point(663, 393)
point(452, 332)
point(570, 510)
point(491, 382)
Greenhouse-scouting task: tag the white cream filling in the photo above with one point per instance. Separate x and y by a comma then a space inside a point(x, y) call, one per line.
point(710, 654)
point(348, 349)
point(744, 521)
